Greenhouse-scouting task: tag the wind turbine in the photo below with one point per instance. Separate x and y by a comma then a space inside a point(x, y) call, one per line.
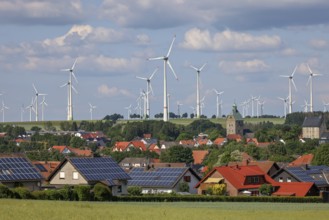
point(31, 108)
point(325, 106)
point(285, 100)
point(168, 106)
point(291, 81)
point(91, 109)
point(305, 106)
point(165, 63)
point(219, 112)
point(37, 94)
point(198, 107)
point(178, 108)
point(148, 90)
point(310, 81)
point(70, 87)
point(129, 111)
point(43, 104)
point(261, 103)
point(202, 104)
point(3, 108)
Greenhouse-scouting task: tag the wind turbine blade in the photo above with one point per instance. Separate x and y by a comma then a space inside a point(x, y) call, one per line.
point(90, 105)
point(64, 85)
point(284, 76)
point(151, 89)
point(42, 94)
point(294, 71)
point(156, 58)
point(66, 70)
point(317, 74)
point(74, 64)
point(36, 91)
point(203, 66)
point(215, 91)
point(309, 79)
point(74, 90)
point(172, 69)
point(75, 78)
point(281, 98)
point(193, 67)
point(153, 73)
point(293, 82)
point(309, 69)
point(169, 51)
point(138, 77)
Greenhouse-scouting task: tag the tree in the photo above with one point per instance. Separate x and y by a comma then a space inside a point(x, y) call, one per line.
point(185, 115)
point(183, 187)
point(321, 156)
point(217, 189)
point(77, 142)
point(177, 154)
point(102, 192)
point(134, 190)
point(266, 189)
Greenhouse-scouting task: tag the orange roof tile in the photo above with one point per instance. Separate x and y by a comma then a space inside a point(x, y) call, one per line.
point(86, 152)
point(59, 148)
point(121, 145)
point(235, 137)
point(187, 142)
point(199, 156)
point(265, 166)
point(302, 160)
point(219, 141)
point(139, 144)
point(49, 166)
point(293, 189)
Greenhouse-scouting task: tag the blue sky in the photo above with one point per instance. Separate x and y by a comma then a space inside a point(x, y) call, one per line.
point(246, 45)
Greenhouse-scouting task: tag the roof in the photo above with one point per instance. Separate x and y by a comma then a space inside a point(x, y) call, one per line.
point(46, 167)
point(96, 169)
point(237, 175)
point(302, 160)
point(265, 166)
point(18, 169)
point(159, 177)
point(139, 144)
point(313, 121)
point(141, 160)
point(293, 189)
point(59, 148)
point(220, 141)
point(199, 156)
point(314, 174)
point(235, 137)
point(79, 152)
point(236, 114)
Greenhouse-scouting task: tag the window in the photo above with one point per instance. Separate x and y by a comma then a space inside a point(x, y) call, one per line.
point(255, 179)
point(62, 175)
point(281, 179)
point(75, 175)
point(288, 179)
point(187, 179)
point(119, 189)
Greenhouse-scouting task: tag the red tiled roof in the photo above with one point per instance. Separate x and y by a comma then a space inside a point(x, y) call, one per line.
point(86, 152)
point(302, 160)
point(49, 166)
point(139, 144)
point(202, 141)
point(199, 156)
point(252, 140)
point(121, 145)
point(219, 141)
point(187, 142)
point(237, 175)
point(155, 148)
point(293, 189)
point(59, 148)
point(265, 166)
point(235, 137)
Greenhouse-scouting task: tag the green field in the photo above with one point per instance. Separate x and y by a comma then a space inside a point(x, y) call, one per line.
point(30, 209)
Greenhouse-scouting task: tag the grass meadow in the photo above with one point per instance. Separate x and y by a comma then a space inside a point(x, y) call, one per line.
point(31, 209)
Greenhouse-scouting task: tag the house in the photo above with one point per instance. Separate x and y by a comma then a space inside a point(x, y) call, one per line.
point(89, 171)
point(296, 189)
point(302, 160)
point(187, 143)
point(86, 152)
point(314, 174)
point(167, 144)
point(200, 142)
point(163, 180)
point(234, 122)
point(220, 141)
point(268, 167)
point(313, 127)
point(155, 148)
point(17, 170)
point(234, 137)
point(239, 180)
point(122, 146)
point(45, 168)
point(199, 156)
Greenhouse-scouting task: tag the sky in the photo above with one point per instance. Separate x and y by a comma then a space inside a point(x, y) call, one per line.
point(247, 45)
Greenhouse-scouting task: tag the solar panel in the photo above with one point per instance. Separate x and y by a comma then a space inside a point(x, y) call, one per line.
point(40, 167)
point(99, 169)
point(17, 168)
point(160, 177)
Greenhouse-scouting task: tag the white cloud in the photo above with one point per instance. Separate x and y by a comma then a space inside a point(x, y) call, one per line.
point(113, 91)
point(319, 44)
point(249, 66)
point(196, 39)
point(40, 12)
point(143, 39)
point(289, 52)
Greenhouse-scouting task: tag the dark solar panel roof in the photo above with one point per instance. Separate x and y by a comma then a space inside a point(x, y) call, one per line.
point(40, 167)
point(313, 174)
point(99, 169)
point(315, 121)
point(160, 177)
point(17, 168)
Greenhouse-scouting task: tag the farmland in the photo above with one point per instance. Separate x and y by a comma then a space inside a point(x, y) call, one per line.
point(30, 209)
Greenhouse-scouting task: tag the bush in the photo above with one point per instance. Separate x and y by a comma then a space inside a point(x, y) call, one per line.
point(22, 193)
point(53, 194)
point(82, 193)
point(66, 193)
point(135, 190)
point(183, 187)
point(5, 192)
point(102, 192)
point(266, 189)
point(40, 195)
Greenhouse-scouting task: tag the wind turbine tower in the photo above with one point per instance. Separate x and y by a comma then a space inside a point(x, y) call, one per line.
point(128, 111)
point(70, 87)
point(43, 104)
point(148, 90)
point(165, 94)
point(3, 108)
point(91, 109)
point(291, 81)
point(218, 104)
point(285, 100)
point(31, 108)
point(310, 81)
point(198, 104)
point(178, 108)
point(37, 94)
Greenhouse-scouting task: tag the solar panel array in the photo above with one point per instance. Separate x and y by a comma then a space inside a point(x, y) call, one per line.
point(17, 168)
point(312, 174)
point(40, 167)
point(99, 169)
point(160, 177)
